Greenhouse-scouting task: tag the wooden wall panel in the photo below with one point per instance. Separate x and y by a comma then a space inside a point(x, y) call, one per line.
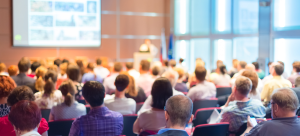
point(156, 6)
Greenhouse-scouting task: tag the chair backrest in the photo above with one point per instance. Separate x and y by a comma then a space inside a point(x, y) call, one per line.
point(128, 121)
point(218, 129)
point(82, 101)
point(241, 130)
point(201, 115)
point(204, 104)
point(139, 106)
point(60, 127)
point(148, 133)
point(45, 113)
point(221, 91)
point(88, 108)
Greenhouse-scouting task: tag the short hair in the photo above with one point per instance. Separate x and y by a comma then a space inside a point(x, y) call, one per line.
point(180, 72)
point(285, 98)
point(57, 62)
point(73, 72)
point(297, 82)
point(7, 84)
point(53, 67)
point(200, 73)
point(172, 63)
point(155, 70)
point(121, 82)
point(253, 77)
point(12, 70)
point(65, 61)
point(24, 65)
point(145, 65)
point(166, 62)
point(161, 91)
point(118, 67)
point(278, 69)
point(296, 66)
point(243, 64)
point(179, 109)
point(256, 65)
point(93, 92)
point(25, 115)
point(90, 66)
point(129, 65)
point(280, 62)
point(2, 67)
point(243, 85)
point(20, 93)
point(181, 60)
point(172, 76)
point(34, 66)
point(98, 61)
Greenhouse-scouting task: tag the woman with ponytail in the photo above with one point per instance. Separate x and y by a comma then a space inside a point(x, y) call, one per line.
point(48, 97)
point(70, 108)
point(39, 84)
point(223, 79)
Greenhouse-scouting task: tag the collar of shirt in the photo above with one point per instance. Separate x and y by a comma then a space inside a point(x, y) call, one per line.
point(32, 133)
point(99, 111)
point(288, 118)
point(167, 129)
point(277, 77)
point(239, 103)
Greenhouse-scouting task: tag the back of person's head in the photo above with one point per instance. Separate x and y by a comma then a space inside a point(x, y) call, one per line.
point(121, 82)
point(172, 76)
point(73, 72)
point(57, 62)
point(79, 63)
point(24, 65)
point(219, 63)
point(243, 64)
point(2, 67)
point(181, 60)
point(132, 89)
point(20, 93)
point(129, 65)
point(165, 63)
point(243, 85)
point(145, 65)
point(118, 67)
point(200, 73)
point(68, 90)
point(280, 62)
point(172, 63)
point(94, 93)
point(65, 61)
point(297, 82)
point(7, 84)
point(253, 77)
point(286, 99)
point(179, 109)
point(25, 116)
point(223, 69)
point(12, 70)
point(250, 67)
point(278, 69)
point(53, 67)
point(235, 63)
point(161, 91)
point(40, 73)
point(35, 65)
point(270, 63)
point(63, 68)
point(256, 65)
point(98, 61)
point(90, 66)
point(296, 66)
point(200, 62)
point(155, 70)
point(50, 78)
point(180, 72)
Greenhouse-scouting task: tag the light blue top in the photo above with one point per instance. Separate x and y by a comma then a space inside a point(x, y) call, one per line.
point(91, 77)
point(62, 111)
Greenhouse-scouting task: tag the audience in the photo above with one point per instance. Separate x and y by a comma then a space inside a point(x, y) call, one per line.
point(284, 74)
point(100, 120)
point(241, 67)
point(254, 93)
point(100, 70)
point(271, 68)
point(3, 69)
point(297, 87)
point(33, 68)
point(81, 67)
point(90, 75)
point(133, 91)
point(155, 72)
point(260, 73)
point(6, 86)
point(250, 67)
point(180, 65)
point(63, 71)
point(53, 68)
point(119, 102)
point(57, 62)
point(25, 116)
point(109, 82)
point(18, 94)
point(73, 73)
point(153, 119)
point(48, 97)
point(296, 69)
point(132, 72)
point(21, 78)
point(239, 106)
point(70, 108)
point(13, 70)
point(145, 80)
point(222, 79)
point(180, 86)
point(178, 113)
point(284, 119)
point(39, 83)
point(234, 69)
point(172, 63)
point(203, 89)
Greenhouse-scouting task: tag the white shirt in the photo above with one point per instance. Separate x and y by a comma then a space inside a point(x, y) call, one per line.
point(109, 83)
point(123, 105)
point(202, 91)
point(48, 102)
point(153, 50)
point(4, 74)
point(135, 74)
point(145, 81)
point(101, 71)
point(257, 96)
point(222, 80)
point(152, 120)
point(32, 133)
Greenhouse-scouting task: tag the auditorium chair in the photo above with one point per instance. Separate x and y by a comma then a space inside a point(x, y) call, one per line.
point(128, 121)
point(45, 114)
point(82, 102)
point(148, 133)
point(88, 108)
point(139, 106)
point(204, 104)
point(218, 129)
point(201, 115)
point(223, 91)
point(60, 127)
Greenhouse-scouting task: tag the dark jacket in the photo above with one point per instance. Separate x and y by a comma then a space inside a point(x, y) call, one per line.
point(22, 79)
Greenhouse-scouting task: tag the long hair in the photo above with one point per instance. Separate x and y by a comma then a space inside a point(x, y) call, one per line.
point(132, 89)
point(50, 78)
point(40, 73)
point(67, 89)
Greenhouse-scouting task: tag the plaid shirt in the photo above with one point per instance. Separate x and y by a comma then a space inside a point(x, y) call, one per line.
point(98, 122)
point(236, 113)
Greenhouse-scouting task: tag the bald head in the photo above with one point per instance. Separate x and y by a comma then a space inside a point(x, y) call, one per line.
point(250, 67)
point(179, 109)
point(172, 76)
point(286, 99)
point(243, 85)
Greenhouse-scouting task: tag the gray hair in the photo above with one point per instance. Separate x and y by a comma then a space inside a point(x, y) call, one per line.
point(243, 85)
point(172, 76)
point(297, 82)
point(285, 98)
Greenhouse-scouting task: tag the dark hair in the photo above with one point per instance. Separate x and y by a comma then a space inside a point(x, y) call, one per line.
point(67, 89)
point(73, 72)
point(7, 84)
point(50, 78)
point(25, 115)
point(129, 65)
point(145, 65)
point(181, 60)
point(281, 63)
point(121, 82)
point(90, 66)
point(81, 67)
point(155, 70)
point(93, 92)
point(278, 69)
point(243, 64)
point(34, 66)
point(223, 69)
point(24, 65)
point(20, 93)
point(200, 73)
point(166, 62)
point(172, 63)
point(179, 109)
point(243, 85)
point(98, 61)
point(57, 62)
point(161, 91)
point(256, 65)
point(296, 66)
point(65, 61)
point(118, 67)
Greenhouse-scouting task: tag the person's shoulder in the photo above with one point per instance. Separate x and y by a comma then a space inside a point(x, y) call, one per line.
point(130, 100)
point(210, 84)
point(109, 101)
point(115, 114)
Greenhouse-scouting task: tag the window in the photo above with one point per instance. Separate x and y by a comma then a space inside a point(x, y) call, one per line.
point(181, 14)
point(200, 48)
point(182, 51)
point(223, 51)
point(222, 16)
point(245, 49)
point(200, 17)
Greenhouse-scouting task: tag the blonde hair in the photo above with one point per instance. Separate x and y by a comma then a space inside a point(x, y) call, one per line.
point(132, 89)
point(2, 67)
point(40, 73)
point(180, 72)
point(53, 67)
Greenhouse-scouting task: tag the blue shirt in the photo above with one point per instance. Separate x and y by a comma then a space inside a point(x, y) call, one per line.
point(167, 129)
point(91, 77)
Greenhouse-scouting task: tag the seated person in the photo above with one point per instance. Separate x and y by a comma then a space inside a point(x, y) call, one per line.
point(100, 120)
point(145, 80)
point(133, 91)
point(91, 75)
point(238, 106)
point(154, 119)
point(25, 116)
point(178, 113)
point(180, 86)
point(119, 102)
point(203, 90)
point(284, 119)
point(18, 94)
point(222, 79)
point(33, 68)
point(109, 81)
point(22, 78)
point(6, 87)
point(70, 108)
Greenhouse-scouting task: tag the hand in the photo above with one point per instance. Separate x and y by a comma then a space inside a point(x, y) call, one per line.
point(259, 120)
point(249, 124)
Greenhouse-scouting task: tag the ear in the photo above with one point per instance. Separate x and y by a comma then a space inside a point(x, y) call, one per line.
point(191, 119)
point(275, 108)
point(166, 115)
point(233, 88)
